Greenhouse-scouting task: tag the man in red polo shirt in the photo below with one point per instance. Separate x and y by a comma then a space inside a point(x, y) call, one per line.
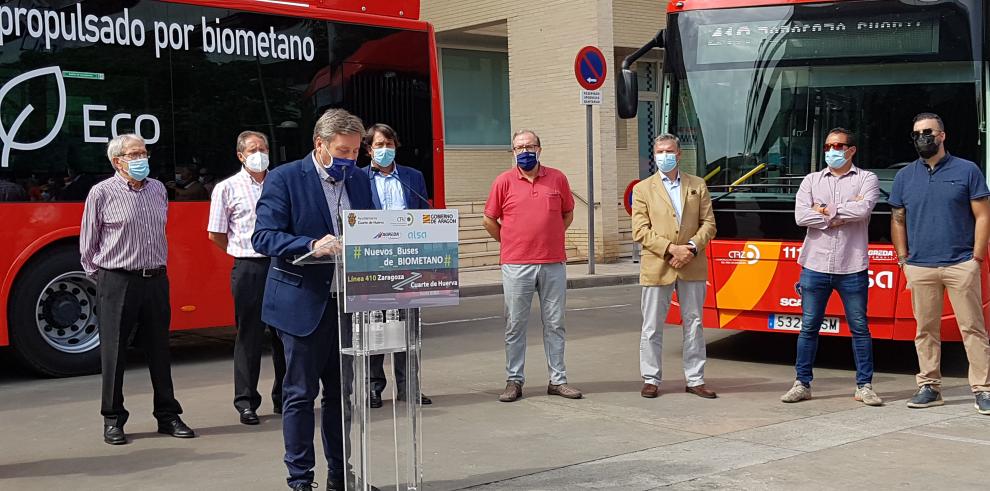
point(528, 210)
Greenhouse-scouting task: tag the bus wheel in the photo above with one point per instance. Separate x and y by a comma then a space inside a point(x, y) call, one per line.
point(53, 325)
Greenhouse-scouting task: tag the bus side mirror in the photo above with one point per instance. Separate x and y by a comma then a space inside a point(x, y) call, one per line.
point(627, 94)
point(627, 85)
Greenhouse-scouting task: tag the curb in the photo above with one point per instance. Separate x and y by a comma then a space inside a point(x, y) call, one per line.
point(572, 284)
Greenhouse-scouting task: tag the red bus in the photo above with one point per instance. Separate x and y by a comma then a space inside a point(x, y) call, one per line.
point(751, 88)
point(187, 76)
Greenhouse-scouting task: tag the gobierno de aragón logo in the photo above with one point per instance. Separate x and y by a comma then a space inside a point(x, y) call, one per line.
point(9, 136)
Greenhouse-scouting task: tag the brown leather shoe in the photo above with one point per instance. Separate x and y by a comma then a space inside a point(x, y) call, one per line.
point(564, 390)
point(512, 392)
point(649, 391)
point(701, 391)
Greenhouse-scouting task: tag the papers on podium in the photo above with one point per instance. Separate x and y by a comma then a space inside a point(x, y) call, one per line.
point(310, 258)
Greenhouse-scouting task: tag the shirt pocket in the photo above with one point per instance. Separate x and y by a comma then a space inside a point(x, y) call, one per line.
point(554, 200)
point(113, 216)
point(954, 189)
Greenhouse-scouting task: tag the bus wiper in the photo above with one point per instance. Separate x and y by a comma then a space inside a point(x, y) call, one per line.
point(735, 186)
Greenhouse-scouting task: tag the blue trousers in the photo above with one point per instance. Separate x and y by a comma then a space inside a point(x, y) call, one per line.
point(312, 360)
point(815, 289)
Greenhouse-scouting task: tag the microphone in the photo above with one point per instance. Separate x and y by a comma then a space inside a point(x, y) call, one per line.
point(340, 195)
point(411, 190)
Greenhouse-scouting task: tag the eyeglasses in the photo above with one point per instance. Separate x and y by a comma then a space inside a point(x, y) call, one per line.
point(136, 155)
point(526, 148)
point(926, 132)
point(837, 146)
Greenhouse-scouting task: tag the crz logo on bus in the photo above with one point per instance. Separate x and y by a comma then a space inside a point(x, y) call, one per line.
point(9, 136)
point(751, 254)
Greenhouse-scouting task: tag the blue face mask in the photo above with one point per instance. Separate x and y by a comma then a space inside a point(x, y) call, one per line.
point(527, 161)
point(384, 156)
point(339, 167)
point(665, 161)
point(835, 158)
point(138, 169)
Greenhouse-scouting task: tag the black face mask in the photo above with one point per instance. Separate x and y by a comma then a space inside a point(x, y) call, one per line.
point(926, 146)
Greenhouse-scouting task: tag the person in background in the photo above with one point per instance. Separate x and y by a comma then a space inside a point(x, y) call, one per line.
point(187, 186)
point(393, 187)
point(528, 211)
point(835, 204)
point(940, 226)
point(232, 218)
point(672, 219)
point(123, 247)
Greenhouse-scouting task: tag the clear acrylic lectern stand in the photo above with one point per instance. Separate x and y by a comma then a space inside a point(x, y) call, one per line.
point(388, 452)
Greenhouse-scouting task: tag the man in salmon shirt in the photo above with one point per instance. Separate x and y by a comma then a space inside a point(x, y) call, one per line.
point(528, 210)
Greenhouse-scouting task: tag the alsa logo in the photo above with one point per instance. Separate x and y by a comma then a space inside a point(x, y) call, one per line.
point(386, 236)
point(883, 280)
point(9, 136)
point(750, 254)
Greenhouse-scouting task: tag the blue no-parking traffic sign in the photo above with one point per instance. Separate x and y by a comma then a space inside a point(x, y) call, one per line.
point(589, 68)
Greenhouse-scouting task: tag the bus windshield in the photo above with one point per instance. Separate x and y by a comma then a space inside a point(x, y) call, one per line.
point(764, 85)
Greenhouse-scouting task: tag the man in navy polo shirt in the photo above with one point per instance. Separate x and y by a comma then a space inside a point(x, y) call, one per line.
point(940, 226)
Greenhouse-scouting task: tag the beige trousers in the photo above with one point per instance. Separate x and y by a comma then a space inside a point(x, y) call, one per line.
point(962, 282)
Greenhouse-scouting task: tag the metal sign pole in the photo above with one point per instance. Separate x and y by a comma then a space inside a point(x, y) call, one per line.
point(591, 193)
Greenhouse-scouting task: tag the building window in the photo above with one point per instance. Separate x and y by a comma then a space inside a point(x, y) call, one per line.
point(475, 97)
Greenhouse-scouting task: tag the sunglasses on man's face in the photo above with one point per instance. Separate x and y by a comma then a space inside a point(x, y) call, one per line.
point(925, 132)
point(837, 146)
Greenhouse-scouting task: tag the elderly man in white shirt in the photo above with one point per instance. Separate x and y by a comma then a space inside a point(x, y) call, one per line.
point(232, 217)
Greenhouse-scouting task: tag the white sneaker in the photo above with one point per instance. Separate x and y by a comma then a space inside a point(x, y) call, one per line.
point(797, 393)
point(866, 395)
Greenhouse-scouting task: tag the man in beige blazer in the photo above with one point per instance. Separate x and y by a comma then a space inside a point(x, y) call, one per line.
point(672, 219)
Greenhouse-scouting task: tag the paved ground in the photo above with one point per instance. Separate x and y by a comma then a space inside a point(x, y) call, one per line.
point(612, 439)
point(489, 281)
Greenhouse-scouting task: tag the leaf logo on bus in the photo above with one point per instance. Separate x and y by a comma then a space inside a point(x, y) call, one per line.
point(8, 136)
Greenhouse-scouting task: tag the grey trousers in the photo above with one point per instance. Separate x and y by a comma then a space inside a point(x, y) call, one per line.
point(656, 304)
point(549, 282)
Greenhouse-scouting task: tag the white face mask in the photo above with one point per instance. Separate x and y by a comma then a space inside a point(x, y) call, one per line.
point(257, 162)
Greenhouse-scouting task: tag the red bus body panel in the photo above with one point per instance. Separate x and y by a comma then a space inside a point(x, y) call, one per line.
point(198, 272)
point(749, 280)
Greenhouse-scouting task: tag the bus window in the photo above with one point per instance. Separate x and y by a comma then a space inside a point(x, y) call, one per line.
point(102, 89)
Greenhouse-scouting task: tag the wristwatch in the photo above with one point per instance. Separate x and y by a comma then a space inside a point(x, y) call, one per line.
point(693, 248)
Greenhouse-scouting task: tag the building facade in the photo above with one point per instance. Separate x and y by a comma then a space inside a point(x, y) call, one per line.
point(510, 65)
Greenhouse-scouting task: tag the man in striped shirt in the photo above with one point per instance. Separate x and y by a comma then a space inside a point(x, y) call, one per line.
point(232, 217)
point(122, 244)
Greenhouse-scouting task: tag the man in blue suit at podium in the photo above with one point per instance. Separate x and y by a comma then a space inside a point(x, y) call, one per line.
point(299, 212)
point(393, 187)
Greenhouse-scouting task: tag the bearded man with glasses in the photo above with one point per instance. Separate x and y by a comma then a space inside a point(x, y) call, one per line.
point(940, 224)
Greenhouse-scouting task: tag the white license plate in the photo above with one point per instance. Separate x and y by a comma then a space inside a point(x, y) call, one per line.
point(785, 322)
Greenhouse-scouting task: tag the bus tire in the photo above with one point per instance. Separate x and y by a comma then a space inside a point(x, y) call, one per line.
point(52, 315)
